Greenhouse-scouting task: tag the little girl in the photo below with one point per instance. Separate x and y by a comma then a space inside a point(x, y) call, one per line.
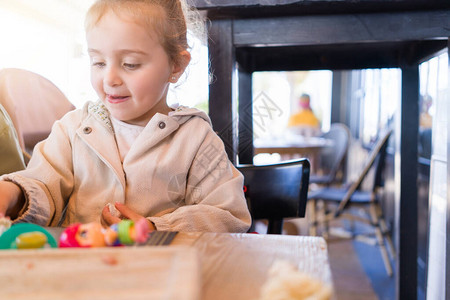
point(131, 149)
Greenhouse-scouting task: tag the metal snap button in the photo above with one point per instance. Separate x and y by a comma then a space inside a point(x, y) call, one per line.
point(87, 130)
point(162, 125)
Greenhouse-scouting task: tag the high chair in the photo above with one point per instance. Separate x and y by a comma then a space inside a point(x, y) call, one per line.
point(276, 191)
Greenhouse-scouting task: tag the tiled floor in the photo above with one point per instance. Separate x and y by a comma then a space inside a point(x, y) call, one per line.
point(372, 263)
point(350, 280)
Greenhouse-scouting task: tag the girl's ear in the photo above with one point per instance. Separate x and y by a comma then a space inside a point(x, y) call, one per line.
point(180, 65)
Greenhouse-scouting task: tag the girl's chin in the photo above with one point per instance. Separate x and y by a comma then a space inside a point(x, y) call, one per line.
point(117, 114)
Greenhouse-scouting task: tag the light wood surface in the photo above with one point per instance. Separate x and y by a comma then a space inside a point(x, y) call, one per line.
point(289, 150)
point(235, 266)
point(200, 266)
point(302, 146)
point(100, 273)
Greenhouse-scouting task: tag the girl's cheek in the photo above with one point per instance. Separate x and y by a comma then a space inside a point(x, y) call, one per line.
point(96, 82)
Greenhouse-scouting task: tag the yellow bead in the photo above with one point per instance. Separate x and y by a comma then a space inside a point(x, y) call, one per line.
point(30, 240)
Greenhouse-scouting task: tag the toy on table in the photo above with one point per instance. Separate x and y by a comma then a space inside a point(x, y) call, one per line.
point(24, 236)
point(5, 223)
point(126, 232)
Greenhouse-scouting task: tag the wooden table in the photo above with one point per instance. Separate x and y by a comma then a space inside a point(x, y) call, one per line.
point(234, 266)
point(310, 148)
point(305, 146)
point(219, 266)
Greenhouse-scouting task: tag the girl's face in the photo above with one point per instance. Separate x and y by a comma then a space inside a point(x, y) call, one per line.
point(130, 70)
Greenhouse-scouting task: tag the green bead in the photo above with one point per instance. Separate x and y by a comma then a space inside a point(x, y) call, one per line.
point(124, 232)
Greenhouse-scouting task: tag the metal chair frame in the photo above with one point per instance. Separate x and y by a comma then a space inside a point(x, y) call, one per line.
point(335, 156)
point(351, 195)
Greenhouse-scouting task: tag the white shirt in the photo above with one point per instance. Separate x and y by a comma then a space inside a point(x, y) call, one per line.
point(126, 134)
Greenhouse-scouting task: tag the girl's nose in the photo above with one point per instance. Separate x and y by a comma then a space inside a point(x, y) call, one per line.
point(112, 77)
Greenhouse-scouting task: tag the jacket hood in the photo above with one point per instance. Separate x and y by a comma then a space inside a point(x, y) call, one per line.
point(182, 114)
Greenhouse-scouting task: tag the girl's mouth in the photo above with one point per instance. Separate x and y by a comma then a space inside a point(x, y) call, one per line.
point(114, 99)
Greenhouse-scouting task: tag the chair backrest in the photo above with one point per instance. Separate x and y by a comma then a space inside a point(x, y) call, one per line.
point(376, 159)
point(33, 102)
point(11, 158)
point(332, 158)
point(276, 191)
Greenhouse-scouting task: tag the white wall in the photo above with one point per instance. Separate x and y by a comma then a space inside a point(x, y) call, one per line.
point(438, 183)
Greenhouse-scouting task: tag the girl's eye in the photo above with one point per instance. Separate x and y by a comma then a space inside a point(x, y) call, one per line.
point(131, 66)
point(98, 64)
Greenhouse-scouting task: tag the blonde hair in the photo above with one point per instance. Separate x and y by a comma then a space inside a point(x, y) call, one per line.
point(167, 18)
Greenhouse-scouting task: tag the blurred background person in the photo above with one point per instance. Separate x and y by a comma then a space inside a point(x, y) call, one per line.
point(304, 122)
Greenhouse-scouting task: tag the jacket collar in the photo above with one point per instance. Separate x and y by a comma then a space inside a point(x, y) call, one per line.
point(157, 129)
point(101, 113)
point(101, 138)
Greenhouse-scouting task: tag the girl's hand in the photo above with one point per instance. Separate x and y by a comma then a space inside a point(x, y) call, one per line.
point(12, 199)
point(127, 213)
point(107, 219)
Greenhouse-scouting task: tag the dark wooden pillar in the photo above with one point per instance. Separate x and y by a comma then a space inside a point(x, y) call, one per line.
point(222, 98)
point(406, 200)
point(245, 146)
point(336, 98)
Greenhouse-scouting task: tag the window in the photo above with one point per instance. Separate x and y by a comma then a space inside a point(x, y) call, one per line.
point(276, 96)
point(378, 94)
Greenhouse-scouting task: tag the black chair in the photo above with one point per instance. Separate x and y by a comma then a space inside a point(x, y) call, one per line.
point(351, 194)
point(276, 191)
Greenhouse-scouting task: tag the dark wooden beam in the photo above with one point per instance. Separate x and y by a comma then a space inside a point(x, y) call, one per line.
point(338, 57)
point(406, 203)
point(341, 29)
point(222, 103)
point(242, 4)
point(231, 9)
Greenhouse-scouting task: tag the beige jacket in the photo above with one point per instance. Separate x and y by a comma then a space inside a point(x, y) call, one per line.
point(176, 173)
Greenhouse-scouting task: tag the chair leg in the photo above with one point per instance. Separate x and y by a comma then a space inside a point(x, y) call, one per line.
point(379, 235)
point(275, 227)
point(385, 231)
point(312, 217)
point(326, 223)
